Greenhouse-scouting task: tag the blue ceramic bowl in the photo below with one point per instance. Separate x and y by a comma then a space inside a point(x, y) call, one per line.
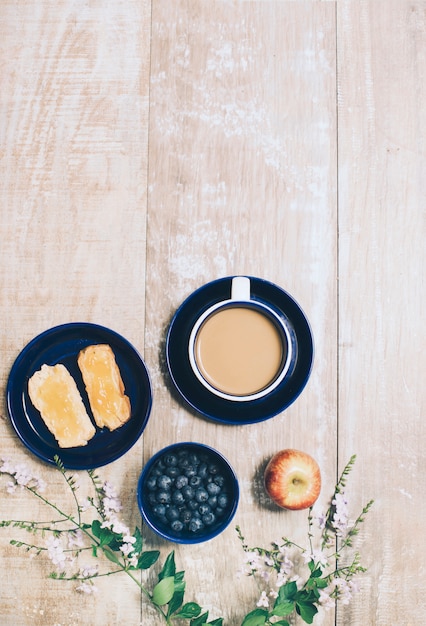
point(188, 493)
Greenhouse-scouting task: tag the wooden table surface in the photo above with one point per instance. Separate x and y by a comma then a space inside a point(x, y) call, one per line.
point(149, 147)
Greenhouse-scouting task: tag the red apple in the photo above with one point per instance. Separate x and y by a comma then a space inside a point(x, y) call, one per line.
point(293, 479)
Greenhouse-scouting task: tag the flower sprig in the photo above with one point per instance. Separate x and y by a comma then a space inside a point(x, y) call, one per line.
point(68, 537)
point(326, 577)
point(292, 579)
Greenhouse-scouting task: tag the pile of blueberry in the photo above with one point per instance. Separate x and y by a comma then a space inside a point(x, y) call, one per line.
point(187, 491)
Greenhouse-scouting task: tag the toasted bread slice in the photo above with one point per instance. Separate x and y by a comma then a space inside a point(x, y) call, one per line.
point(104, 385)
point(54, 393)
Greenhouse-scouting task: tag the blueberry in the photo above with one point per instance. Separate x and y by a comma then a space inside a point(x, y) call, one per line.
point(193, 505)
point(219, 480)
point(193, 458)
point(213, 489)
point(151, 482)
point(190, 471)
point(176, 525)
point(170, 460)
point(213, 469)
point(195, 524)
point(159, 510)
point(222, 500)
point(209, 518)
point(172, 513)
point(212, 502)
point(172, 471)
point(152, 497)
point(187, 492)
point(183, 460)
point(203, 471)
point(163, 497)
point(177, 497)
point(181, 481)
point(185, 516)
point(203, 509)
point(164, 482)
point(201, 495)
point(219, 511)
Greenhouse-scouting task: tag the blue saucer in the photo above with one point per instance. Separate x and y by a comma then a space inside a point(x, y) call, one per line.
point(62, 345)
point(227, 411)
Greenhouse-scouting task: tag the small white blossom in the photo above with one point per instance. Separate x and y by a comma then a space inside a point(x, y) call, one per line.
point(88, 571)
point(126, 548)
point(133, 560)
point(317, 556)
point(263, 600)
point(340, 516)
point(325, 600)
point(56, 553)
point(75, 539)
point(22, 476)
point(86, 588)
point(321, 519)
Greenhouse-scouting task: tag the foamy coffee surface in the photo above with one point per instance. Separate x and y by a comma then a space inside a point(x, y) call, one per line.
point(239, 351)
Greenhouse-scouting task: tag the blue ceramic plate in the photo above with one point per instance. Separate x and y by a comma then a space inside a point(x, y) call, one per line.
point(62, 345)
point(227, 411)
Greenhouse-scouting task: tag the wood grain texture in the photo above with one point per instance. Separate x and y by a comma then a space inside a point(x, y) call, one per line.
point(242, 180)
point(147, 148)
point(74, 111)
point(381, 294)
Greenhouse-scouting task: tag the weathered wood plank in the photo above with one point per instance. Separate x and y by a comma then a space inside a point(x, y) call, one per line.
point(382, 129)
point(242, 180)
point(74, 111)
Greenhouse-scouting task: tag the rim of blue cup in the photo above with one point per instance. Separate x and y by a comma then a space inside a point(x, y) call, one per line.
point(187, 537)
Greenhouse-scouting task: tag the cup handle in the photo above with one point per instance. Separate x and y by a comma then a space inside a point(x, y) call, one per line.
point(240, 288)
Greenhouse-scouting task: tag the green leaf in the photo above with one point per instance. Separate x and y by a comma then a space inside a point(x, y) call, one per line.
point(200, 620)
point(105, 535)
point(255, 618)
point(283, 608)
point(169, 567)
point(306, 611)
point(137, 546)
point(287, 592)
point(179, 591)
point(96, 528)
point(321, 583)
point(216, 622)
point(148, 558)
point(189, 611)
point(163, 591)
point(317, 573)
point(281, 622)
point(110, 555)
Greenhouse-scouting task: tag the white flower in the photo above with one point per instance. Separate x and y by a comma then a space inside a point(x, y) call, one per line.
point(75, 539)
point(88, 571)
point(85, 505)
point(340, 516)
point(325, 600)
point(317, 556)
point(126, 548)
point(23, 477)
point(263, 600)
point(86, 588)
point(321, 519)
point(134, 559)
point(56, 553)
point(11, 487)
